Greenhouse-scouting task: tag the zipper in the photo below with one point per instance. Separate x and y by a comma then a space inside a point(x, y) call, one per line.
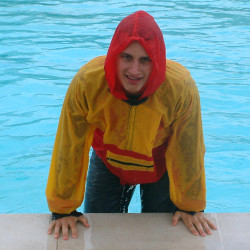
point(131, 124)
point(129, 163)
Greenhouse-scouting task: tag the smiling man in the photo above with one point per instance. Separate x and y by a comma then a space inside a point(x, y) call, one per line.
point(141, 115)
point(133, 69)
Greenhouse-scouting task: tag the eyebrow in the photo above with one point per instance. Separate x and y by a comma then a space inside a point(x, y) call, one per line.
point(127, 54)
point(124, 53)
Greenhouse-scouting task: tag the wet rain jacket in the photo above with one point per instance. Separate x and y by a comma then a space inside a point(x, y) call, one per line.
point(138, 141)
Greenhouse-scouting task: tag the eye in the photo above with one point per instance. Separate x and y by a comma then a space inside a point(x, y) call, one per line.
point(145, 59)
point(126, 56)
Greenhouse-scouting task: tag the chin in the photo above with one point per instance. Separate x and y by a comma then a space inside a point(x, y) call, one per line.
point(133, 95)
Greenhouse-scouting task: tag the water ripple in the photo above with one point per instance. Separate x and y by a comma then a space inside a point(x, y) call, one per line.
point(44, 43)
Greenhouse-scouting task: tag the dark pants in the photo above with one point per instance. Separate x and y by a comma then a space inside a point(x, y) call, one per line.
point(105, 194)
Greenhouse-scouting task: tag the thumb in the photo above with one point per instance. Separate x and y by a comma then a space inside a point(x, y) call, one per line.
point(84, 221)
point(176, 218)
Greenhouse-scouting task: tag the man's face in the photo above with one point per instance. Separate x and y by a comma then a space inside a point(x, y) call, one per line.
point(133, 68)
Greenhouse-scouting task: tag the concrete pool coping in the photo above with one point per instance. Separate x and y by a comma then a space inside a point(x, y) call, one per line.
point(125, 231)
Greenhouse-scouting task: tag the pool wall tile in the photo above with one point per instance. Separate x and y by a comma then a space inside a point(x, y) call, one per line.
point(235, 230)
point(23, 231)
point(125, 231)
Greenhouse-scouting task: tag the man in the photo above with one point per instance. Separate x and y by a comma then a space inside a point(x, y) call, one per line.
point(141, 114)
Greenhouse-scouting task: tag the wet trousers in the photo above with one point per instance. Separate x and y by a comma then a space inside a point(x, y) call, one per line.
point(105, 194)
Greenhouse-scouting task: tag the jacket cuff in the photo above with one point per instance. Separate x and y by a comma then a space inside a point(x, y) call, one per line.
point(189, 212)
point(56, 216)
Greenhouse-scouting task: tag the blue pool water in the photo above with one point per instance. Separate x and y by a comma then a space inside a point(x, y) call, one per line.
point(43, 44)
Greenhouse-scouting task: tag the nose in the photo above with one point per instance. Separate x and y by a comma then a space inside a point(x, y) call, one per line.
point(134, 68)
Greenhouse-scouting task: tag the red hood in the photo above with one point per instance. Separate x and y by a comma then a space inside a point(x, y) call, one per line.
point(141, 27)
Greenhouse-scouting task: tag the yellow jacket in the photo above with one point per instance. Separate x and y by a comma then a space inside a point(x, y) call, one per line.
point(171, 117)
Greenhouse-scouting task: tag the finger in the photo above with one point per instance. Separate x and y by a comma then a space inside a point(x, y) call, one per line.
point(199, 227)
point(57, 230)
point(73, 230)
point(65, 231)
point(206, 227)
point(211, 225)
point(51, 226)
point(176, 218)
point(192, 228)
point(84, 221)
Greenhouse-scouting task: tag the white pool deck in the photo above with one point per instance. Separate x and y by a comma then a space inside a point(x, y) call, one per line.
point(125, 231)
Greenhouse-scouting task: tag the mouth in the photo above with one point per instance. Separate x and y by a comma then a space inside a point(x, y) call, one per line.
point(133, 79)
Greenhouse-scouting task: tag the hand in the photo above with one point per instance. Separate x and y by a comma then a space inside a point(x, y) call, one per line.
point(66, 223)
point(198, 224)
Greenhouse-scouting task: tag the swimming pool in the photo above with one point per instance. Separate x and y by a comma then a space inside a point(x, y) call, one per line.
point(44, 43)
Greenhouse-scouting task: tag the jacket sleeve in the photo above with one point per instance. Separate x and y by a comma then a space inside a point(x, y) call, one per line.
point(69, 163)
point(185, 152)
